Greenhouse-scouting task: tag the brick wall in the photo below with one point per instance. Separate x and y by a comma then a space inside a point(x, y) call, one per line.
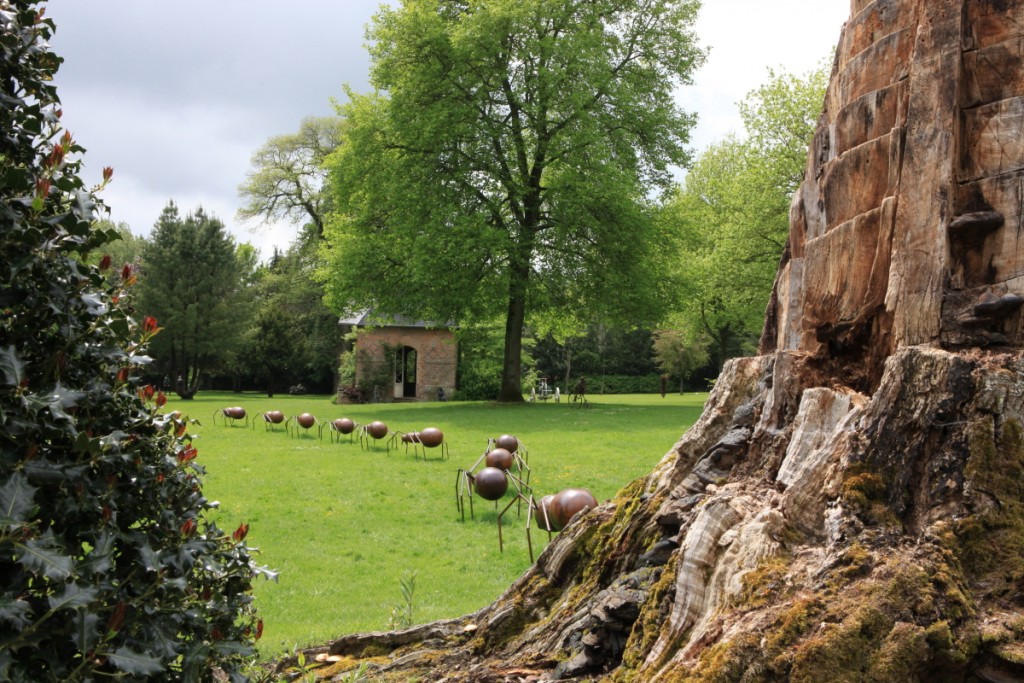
point(436, 357)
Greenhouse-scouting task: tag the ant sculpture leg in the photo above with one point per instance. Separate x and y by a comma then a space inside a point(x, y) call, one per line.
point(521, 482)
point(395, 435)
point(519, 497)
point(464, 487)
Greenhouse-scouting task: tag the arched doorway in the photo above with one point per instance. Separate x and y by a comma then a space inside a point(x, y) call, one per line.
point(405, 372)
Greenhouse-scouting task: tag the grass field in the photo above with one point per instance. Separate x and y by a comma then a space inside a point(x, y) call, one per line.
point(343, 525)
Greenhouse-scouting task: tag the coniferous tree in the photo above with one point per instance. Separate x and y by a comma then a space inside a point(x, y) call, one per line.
point(193, 281)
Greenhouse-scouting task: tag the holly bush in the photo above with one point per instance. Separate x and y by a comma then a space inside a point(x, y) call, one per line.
point(110, 566)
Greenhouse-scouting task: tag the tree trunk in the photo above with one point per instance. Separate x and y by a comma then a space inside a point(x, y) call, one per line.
point(515, 319)
point(849, 505)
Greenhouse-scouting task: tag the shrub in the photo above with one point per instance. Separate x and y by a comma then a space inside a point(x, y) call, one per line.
point(109, 566)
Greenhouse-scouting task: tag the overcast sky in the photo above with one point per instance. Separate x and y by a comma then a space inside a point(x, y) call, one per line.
point(176, 96)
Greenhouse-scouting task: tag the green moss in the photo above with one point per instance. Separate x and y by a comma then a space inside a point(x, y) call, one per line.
point(1011, 652)
point(902, 655)
point(727, 661)
point(371, 651)
point(793, 624)
point(991, 542)
point(856, 562)
point(863, 492)
point(648, 625)
point(765, 583)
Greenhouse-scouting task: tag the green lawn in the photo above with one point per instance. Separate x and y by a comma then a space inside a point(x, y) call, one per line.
point(343, 524)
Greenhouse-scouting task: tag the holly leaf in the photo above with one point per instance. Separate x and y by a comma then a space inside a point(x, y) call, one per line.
point(87, 632)
point(16, 501)
point(94, 303)
point(11, 366)
point(150, 558)
point(98, 560)
point(71, 597)
point(139, 663)
point(15, 612)
point(40, 556)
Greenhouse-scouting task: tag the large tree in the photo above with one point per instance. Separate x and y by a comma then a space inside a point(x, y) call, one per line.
point(503, 167)
point(192, 282)
point(287, 176)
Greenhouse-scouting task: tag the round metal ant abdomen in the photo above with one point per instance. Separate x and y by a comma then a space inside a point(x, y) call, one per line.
point(508, 442)
point(274, 416)
point(567, 503)
point(431, 437)
point(490, 483)
point(377, 429)
point(542, 512)
point(235, 412)
point(305, 420)
point(344, 425)
point(500, 458)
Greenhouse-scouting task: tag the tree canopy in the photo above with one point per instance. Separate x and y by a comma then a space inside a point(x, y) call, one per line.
point(192, 282)
point(732, 212)
point(503, 167)
point(286, 181)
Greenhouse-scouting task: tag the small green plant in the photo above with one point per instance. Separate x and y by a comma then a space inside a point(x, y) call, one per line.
point(357, 675)
point(401, 614)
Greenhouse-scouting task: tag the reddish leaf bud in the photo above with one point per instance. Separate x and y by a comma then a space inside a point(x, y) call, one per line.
point(43, 187)
point(188, 528)
point(216, 634)
point(259, 629)
point(240, 532)
point(187, 454)
point(161, 399)
point(108, 173)
point(105, 262)
point(149, 324)
point(126, 272)
point(122, 375)
point(117, 618)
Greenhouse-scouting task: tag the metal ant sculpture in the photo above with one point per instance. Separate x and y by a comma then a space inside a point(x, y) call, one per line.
point(342, 426)
point(270, 418)
point(491, 482)
point(431, 437)
point(234, 413)
point(552, 512)
point(305, 421)
point(376, 430)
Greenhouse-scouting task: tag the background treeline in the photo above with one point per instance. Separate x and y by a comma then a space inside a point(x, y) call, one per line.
point(233, 321)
